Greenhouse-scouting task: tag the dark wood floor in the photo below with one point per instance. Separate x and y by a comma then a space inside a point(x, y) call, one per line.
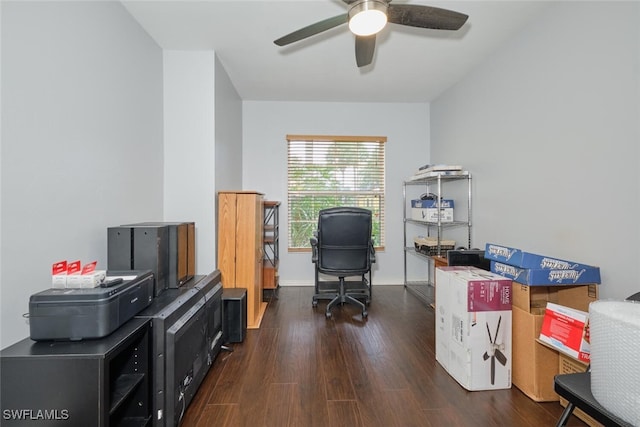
point(300, 369)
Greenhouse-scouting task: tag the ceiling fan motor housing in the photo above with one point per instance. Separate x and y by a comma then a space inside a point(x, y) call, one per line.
point(367, 17)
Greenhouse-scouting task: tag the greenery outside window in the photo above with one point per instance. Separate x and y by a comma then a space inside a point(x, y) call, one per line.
point(330, 171)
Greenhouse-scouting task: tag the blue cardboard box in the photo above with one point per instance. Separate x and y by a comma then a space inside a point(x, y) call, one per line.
point(520, 258)
point(543, 277)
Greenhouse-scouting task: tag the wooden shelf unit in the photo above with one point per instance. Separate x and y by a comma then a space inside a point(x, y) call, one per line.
point(241, 247)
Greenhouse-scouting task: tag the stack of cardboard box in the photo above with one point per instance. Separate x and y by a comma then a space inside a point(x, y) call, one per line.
point(538, 280)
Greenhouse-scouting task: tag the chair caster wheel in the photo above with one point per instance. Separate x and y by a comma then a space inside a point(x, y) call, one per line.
point(314, 304)
point(364, 314)
point(327, 315)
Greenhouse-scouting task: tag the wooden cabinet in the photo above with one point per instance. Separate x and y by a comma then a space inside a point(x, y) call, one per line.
point(240, 247)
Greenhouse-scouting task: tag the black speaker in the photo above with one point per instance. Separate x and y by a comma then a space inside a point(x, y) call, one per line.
point(234, 314)
point(140, 248)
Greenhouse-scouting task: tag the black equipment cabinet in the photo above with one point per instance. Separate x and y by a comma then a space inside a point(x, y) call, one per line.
point(103, 382)
point(186, 338)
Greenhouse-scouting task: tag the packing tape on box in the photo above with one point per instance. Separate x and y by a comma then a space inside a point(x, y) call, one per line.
point(614, 328)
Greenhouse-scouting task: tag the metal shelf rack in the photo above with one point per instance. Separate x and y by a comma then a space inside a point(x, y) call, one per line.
point(423, 286)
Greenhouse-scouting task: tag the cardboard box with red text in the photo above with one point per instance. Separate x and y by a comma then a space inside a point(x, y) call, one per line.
point(535, 364)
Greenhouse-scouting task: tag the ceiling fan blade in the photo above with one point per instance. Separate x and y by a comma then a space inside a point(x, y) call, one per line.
point(313, 29)
point(489, 332)
point(495, 337)
point(501, 357)
point(425, 17)
point(365, 47)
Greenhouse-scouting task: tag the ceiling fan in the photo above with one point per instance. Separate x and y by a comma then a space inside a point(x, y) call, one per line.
point(367, 17)
point(495, 351)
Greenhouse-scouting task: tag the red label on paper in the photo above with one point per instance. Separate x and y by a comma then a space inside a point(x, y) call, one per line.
point(59, 268)
point(89, 268)
point(73, 267)
point(563, 328)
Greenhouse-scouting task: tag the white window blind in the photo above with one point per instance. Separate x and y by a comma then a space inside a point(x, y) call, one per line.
point(330, 171)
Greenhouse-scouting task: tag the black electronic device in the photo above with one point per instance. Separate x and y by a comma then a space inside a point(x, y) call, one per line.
point(234, 312)
point(181, 247)
point(186, 338)
point(111, 282)
point(166, 248)
point(86, 313)
point(130, 248)
point(471, 257)
point(211, 287)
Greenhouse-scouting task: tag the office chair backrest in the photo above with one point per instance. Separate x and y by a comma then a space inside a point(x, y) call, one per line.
point(344, 236)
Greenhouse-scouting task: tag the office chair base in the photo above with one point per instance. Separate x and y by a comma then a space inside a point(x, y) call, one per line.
point(343, 298)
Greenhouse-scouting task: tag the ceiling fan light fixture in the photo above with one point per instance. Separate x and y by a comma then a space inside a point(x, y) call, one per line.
point(367, 17)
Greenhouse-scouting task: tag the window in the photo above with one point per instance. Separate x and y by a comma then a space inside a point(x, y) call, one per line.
point(329, 171)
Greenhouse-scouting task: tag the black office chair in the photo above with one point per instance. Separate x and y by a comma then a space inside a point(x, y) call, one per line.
point(342, 247)
point(576, 388)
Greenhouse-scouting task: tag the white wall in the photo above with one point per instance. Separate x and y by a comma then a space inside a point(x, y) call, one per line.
point(189, 131)
point(228, 141)
point(228, 166)
point(81, 140)
point(265, 126)
point(549, 126)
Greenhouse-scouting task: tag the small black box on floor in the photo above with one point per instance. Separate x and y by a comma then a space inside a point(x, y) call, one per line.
point(234, 314)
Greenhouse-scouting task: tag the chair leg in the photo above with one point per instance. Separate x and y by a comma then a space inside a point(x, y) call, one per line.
point(342, 297)
point(357, 302)
point(316, 291)
point(568, 410)
point(338, 299)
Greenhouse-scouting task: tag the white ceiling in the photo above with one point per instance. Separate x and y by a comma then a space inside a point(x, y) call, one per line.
point(410, 64)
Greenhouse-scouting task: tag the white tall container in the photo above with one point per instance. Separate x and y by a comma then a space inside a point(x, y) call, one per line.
point(615, 348)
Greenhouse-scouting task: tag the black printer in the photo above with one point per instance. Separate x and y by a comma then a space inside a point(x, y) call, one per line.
point(76, 314)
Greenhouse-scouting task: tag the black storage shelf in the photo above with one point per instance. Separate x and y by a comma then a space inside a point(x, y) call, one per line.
point(102, 382)
point(123, 387)
point(135, 422)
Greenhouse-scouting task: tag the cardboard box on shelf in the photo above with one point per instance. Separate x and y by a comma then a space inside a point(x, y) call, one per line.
point(569, 365)
point(535, 364)
point(540, 276)
point(427, 210)
point(522, 259)
point(534, 299)
point(473, 327)
point(567, 330)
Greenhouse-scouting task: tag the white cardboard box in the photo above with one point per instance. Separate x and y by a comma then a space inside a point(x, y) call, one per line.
point(473, 327)
point(427, 210)
point(93, 279)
